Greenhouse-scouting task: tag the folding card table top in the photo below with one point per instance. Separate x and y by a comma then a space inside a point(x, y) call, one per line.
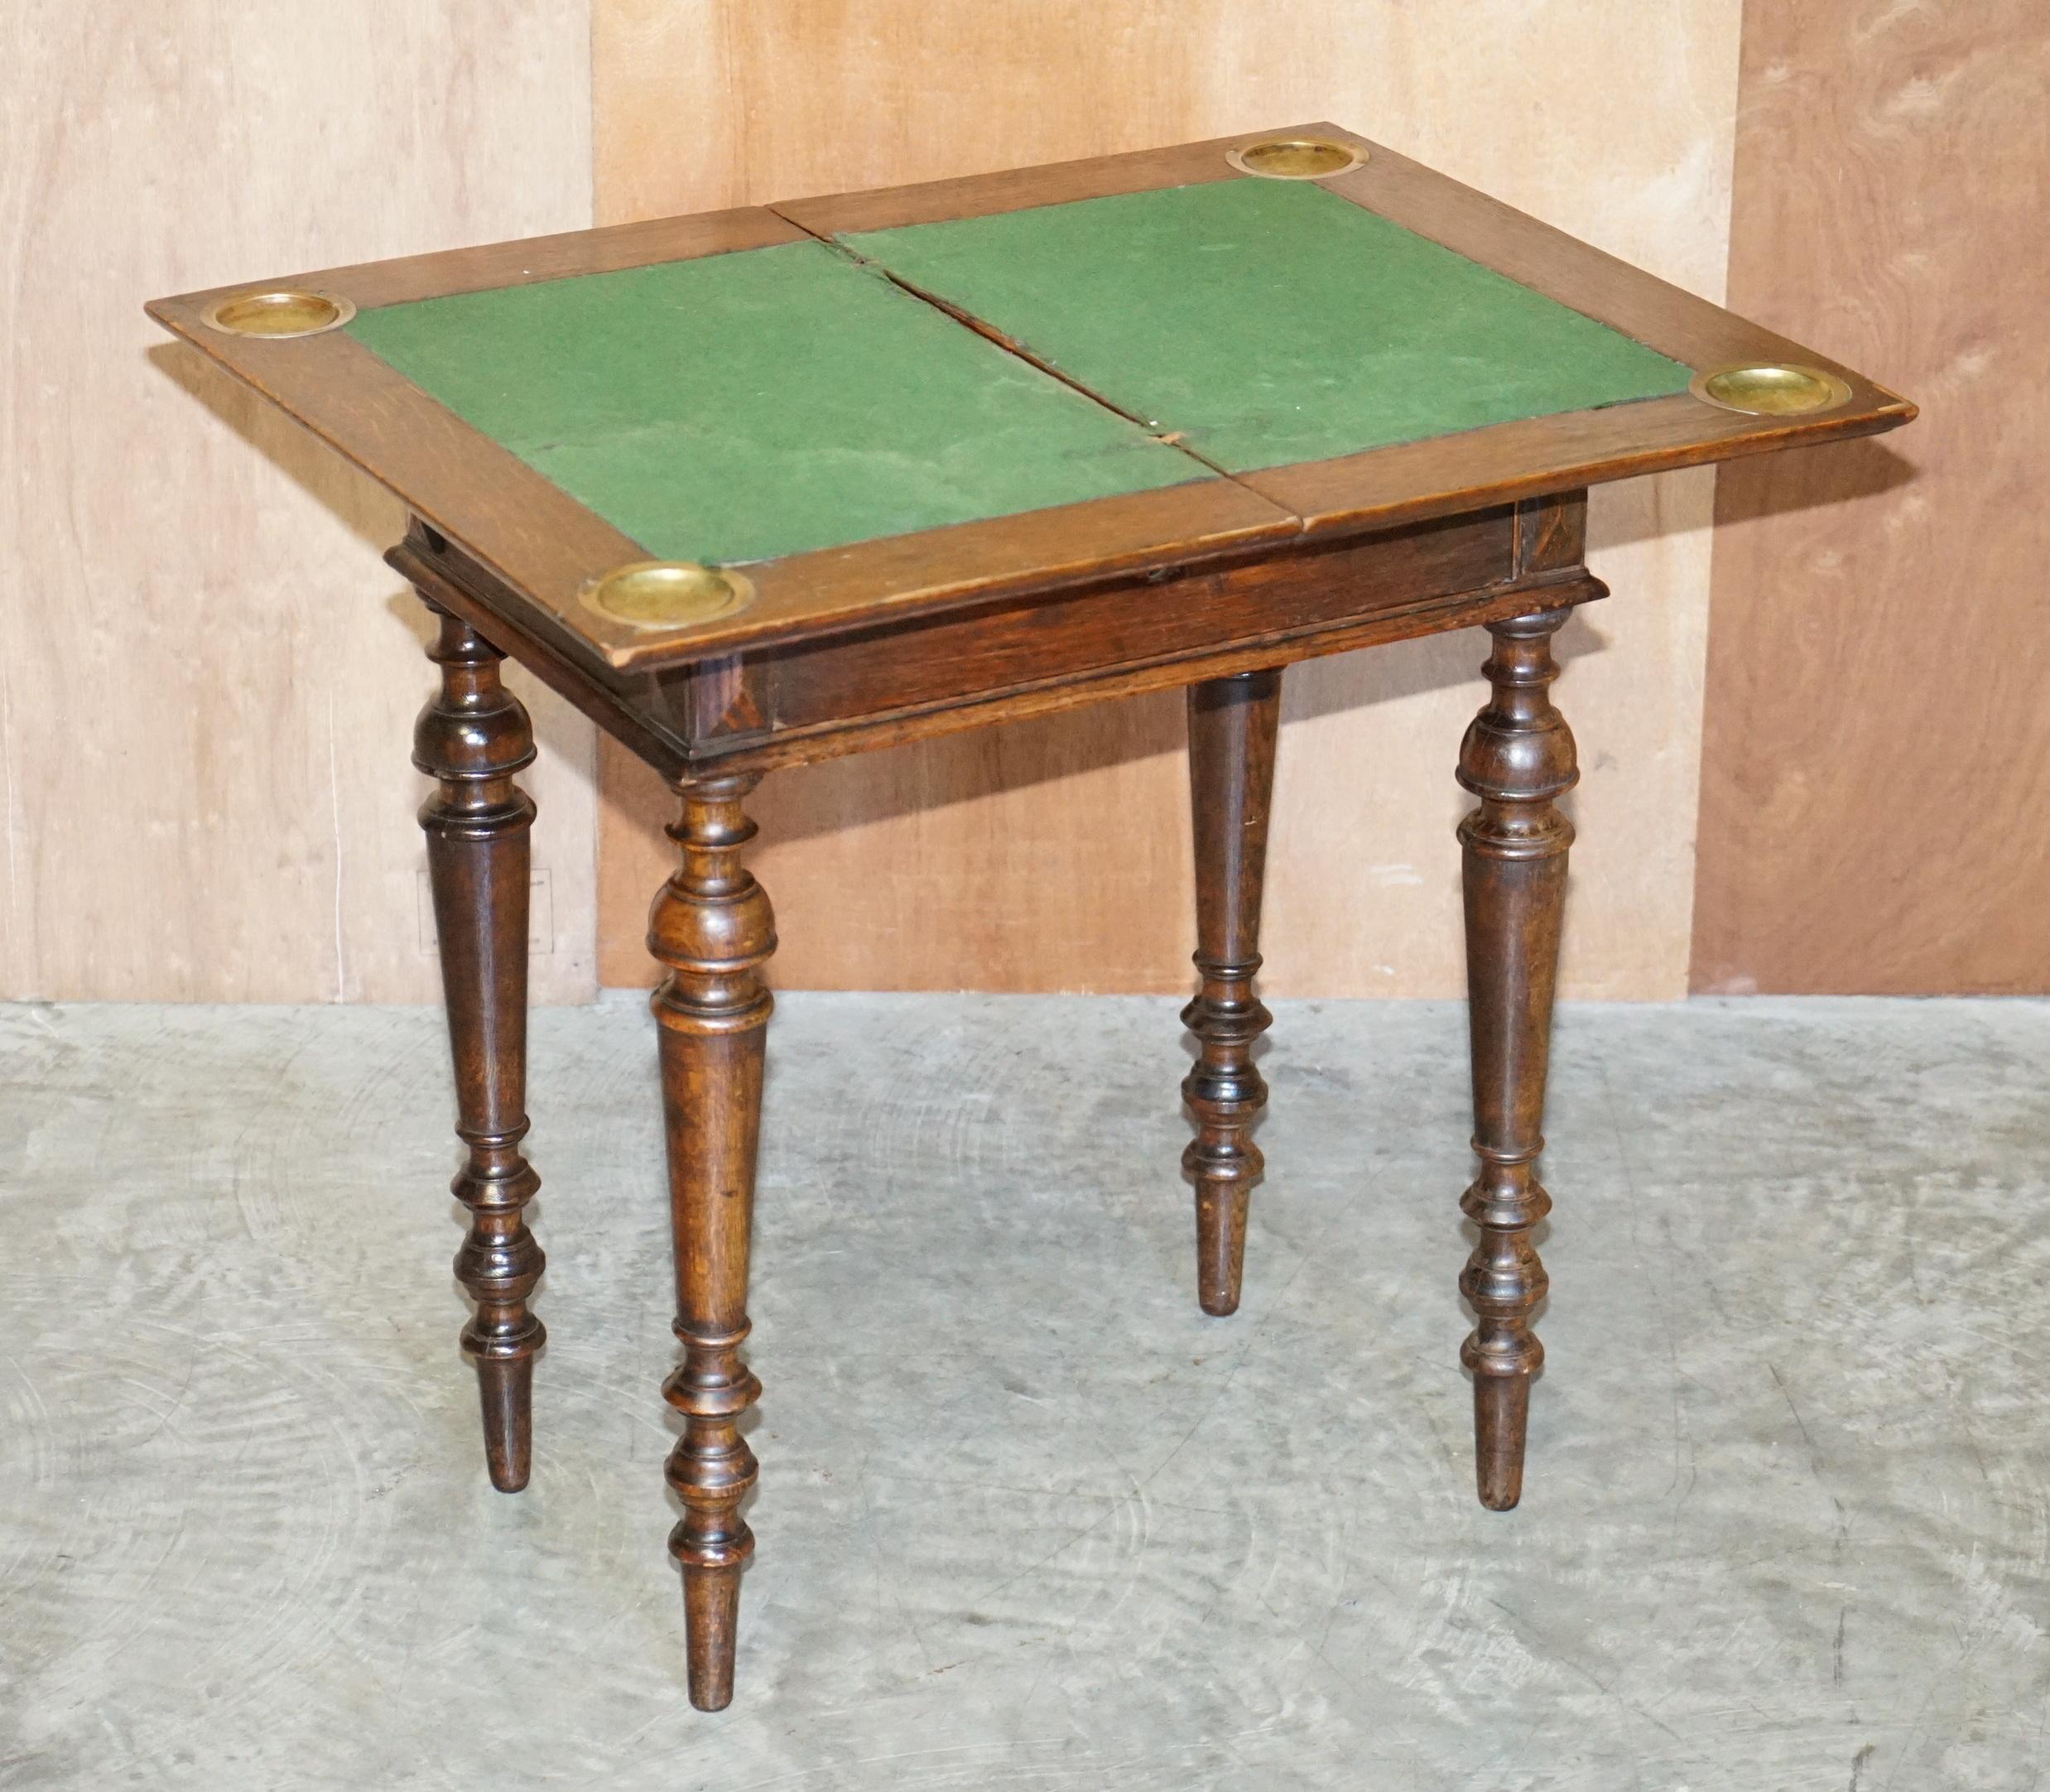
point(767, 485)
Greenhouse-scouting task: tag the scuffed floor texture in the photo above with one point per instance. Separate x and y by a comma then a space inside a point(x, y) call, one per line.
point(1026, 1519)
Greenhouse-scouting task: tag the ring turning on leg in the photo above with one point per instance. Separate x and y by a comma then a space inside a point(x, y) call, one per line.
point(471, 737)
point(1518, 757)
point(1232, 726)
point(712, 929)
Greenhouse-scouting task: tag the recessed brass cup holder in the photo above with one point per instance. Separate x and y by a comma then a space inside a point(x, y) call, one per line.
point(1770, 389)
point(1295, 158)
point(668, 594)
point(279, 312)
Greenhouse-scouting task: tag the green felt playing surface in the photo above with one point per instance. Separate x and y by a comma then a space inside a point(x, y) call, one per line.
point(1270, 321)
point(748, 406)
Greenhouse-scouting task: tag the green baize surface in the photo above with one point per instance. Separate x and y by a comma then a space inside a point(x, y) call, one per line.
point(1270, 321)
point(747, 406)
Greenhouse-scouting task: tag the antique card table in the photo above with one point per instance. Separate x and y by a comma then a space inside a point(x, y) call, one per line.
point(764, 486)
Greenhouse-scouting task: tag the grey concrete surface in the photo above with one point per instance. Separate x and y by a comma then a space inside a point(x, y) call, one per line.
point(1026, 1519)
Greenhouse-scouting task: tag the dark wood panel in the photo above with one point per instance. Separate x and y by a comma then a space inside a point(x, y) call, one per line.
point(1007, 661)
point(1005, 647)
point(1406, 622)
point(1874, 811)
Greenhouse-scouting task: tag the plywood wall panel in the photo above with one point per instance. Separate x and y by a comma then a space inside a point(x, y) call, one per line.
point(207, 676)
point(1875, 802)
point(1055, 854)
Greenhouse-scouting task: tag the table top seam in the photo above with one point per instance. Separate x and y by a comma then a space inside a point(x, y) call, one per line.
point(1021, 351)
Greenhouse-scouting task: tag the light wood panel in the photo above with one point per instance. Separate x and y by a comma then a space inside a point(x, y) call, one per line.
point(956, 863)
point(207, 678)
point(1876, 803)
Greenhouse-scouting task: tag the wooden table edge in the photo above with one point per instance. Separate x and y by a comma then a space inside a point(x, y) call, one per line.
point(1696, 332)
point(811, 743)
point(1330, 496)
point(507, 620)
point(540, 540)
point(517, 261)
point(979, 195)
point(545, 547)
point(1027, 553)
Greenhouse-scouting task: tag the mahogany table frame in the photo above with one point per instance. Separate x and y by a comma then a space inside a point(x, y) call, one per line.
point(1214, 586)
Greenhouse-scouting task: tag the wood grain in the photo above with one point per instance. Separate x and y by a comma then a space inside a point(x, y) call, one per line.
point(1517, 759)
point(472, 486)
point(1047, 639)
point(1873, 812)
point(467, 487)
point(1428, 616)
point(1232, 726)
point(1438, 475)
point(956, 863)
point(473, 737)
point(711, 930)
point(207, 678)
point(545, 546)
point(525, 261)
point(1013, 189)
point(935, 569)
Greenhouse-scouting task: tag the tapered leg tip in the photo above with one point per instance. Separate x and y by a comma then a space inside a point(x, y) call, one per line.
point(1221, 1248)
point(711, 1610)
point(507, 1391)
point(715, 1698)
point(1501, 1418)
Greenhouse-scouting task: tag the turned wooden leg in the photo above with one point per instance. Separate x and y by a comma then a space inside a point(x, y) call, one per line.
point(1517, 758)
point(712, 927)
point(471, 739)
point(1231, 724)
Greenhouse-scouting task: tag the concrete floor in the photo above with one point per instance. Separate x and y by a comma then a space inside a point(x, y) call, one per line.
point(1026, 1519)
